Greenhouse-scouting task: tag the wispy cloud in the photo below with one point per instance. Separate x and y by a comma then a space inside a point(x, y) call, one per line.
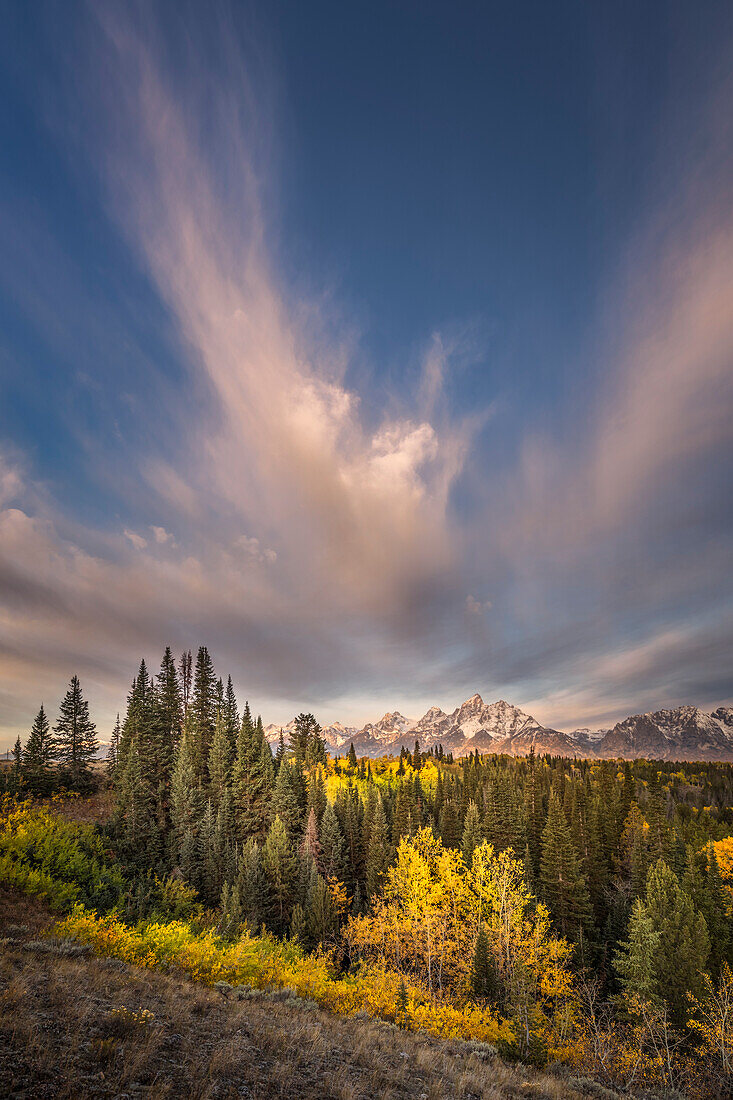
point(348, 554)
point(315, 547)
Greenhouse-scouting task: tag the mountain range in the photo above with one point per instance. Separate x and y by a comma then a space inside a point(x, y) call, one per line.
point(681, 733)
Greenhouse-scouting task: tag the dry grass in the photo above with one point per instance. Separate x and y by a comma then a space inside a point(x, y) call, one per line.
point(63, 1034)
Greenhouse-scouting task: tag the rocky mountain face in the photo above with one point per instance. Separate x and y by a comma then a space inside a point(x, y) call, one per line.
point(683, 733)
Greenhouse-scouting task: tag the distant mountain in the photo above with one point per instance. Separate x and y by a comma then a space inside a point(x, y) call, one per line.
point(683, 733)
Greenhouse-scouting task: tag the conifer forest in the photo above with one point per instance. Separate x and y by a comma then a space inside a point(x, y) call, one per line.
point(557, 912)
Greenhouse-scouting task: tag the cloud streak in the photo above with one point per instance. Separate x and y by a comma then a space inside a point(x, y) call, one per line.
point(347, 554)
point(319, 550)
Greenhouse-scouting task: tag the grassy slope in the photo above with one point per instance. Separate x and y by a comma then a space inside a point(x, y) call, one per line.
point(58, 1038)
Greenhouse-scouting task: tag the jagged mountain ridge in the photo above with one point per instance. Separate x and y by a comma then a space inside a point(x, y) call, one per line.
point(681, 733)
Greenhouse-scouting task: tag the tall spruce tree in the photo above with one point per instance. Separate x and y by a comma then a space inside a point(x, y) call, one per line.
point(204, 701)
point(332, 845)
point(75, 744)
point(38, 755)
point(280, 866)
point(113, 752)
point(220, 761)
point(667, 947)
point(379, 852)
point(252, 781)
point(472, 833)
point(563, 883)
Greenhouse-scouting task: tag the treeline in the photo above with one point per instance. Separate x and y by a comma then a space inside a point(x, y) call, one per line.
point(581, 900)
point(57, 757)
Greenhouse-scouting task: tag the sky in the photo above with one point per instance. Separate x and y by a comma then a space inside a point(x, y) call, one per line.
point(385, 349)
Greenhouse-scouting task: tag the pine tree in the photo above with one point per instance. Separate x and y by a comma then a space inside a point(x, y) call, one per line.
point(186, 680)
point(332, 845)
point(220, 760)
point(204, 700)
point(252, 887)
point(231, 715)
point(450, 824)
point(320, 916)
point(186, 798)
point(167, 719)
point(379, 852)
point(285, 801)
point(135, 820)
point(281, 752)
point(484, 981)
point(252, 780)
point(299, 926)
point(76, 743)
point(350, 812)
point(534, 812)
point(138, 720)
point(667, 947)
point(703, 884)
point(38, 755)
point(114, 749)
point(280, 867)
point(472, 833)
point(402, 819)
point(316, 794)
point(210, 858)
point(563, 884)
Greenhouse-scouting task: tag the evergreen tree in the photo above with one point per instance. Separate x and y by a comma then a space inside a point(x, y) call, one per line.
point(186, 797)
point(210, 857)
point(252, 780)
point(186, 680)
point(703, 884)
point(204, 700)
point(231, 715)
point(281, 752)
point(563, 884)
point(76, 743)
point(220, 760)
point(320, 917)
point(379, 853)
point(332, 845)
point(667, 948)
point(285, 801)
point(114, 749)
point(402, 819)
point(472, 833)
point(450, 824)
point(37, 756)
point(137, 724)
point(484, 981)
point(252, 887)
point(280, 867)
point(167, 719)
point(316, 794)
point(135, 819)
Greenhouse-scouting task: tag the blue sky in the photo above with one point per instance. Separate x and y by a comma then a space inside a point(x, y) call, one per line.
point(387, 351)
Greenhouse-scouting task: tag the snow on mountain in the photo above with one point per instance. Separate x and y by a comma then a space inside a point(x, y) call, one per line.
point(681, 733)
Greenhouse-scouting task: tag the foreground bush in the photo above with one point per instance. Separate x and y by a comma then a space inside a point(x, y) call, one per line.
point(264, 962)
point(56, 860)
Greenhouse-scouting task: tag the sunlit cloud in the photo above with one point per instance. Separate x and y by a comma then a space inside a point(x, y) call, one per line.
point(318, 548)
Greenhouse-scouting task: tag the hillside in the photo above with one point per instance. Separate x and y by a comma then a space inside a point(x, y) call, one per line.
point(67, 1030)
